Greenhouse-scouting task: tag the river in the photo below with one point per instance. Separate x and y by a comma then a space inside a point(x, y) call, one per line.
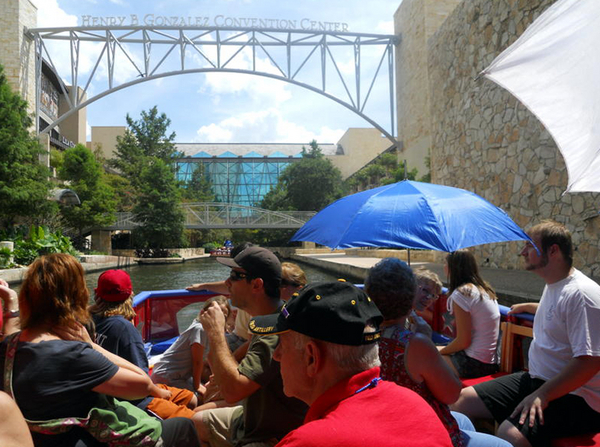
point(179, 276)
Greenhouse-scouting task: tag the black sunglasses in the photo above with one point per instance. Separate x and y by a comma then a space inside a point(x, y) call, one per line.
point(234, 275)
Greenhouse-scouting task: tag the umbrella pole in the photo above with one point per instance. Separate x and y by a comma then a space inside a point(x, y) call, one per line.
point(408, 250)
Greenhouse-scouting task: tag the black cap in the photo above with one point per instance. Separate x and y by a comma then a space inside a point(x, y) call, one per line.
point(336, 312)
point(258, 262)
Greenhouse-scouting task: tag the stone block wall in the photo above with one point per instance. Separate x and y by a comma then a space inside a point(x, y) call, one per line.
point(16, 50)
point(415, 21)
point(484, 140)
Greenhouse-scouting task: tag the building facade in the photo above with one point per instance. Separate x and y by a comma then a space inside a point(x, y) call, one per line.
point(480, 137)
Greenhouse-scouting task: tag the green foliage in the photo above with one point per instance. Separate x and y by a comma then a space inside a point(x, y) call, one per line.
point(5, 255)
point(40, 241)
point(24, 184)
point(158, 208)
point(124, 192)
point(145, 157)
point(210, 246)
point(314, 151)
point(56, 158)
point(313, 173)
point(145, 138)
point(86, 178)
point(382, 171)
point(199, 188)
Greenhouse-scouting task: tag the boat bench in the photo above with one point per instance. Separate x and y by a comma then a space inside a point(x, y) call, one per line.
point(513, 330)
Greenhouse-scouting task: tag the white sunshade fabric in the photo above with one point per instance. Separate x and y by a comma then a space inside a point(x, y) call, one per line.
point(554, 70)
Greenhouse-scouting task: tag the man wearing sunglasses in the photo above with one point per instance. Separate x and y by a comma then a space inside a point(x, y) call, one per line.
point(264, 414)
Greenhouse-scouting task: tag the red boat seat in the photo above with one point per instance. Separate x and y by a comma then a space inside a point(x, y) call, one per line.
point(592, 440)
point(477, 380)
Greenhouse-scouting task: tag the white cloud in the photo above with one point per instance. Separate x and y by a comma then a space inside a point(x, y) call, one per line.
point(51, 15)
point(264, 126)
point(260, 89)
point(385, 27)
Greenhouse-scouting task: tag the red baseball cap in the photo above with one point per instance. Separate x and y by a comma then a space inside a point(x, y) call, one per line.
point(114, 286)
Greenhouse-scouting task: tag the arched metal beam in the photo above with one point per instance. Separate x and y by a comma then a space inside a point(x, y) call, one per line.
point(321, 45)
point(222, 70)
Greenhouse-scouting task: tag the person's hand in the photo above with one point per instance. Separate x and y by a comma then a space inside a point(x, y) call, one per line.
point(212, 391)
point(164, 394)
point(531, 407)
point(419, 325)
point(520, 308)
point(195, 287)
point(74, 331)
point(7, 295)
point(213, 319)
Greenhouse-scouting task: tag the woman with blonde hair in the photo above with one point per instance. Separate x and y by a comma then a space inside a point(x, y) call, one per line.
point(59, 374)
point(473, 352)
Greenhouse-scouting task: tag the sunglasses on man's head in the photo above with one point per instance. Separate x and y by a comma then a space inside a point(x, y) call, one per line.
point(234, 275)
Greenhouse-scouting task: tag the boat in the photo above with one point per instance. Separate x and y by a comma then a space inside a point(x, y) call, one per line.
point(223, 251)
point(159, 320)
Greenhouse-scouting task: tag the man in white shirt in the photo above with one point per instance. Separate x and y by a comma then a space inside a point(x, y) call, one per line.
point(560, 395)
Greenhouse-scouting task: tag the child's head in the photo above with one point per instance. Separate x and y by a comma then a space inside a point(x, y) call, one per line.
point(223, 303)
point(114, 295)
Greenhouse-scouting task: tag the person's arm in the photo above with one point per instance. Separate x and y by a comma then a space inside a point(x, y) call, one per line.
point(529, 308)
point(241, 351)
point(217, 287)
point(574, 375)
point(234, 386)
point(10, 303)
point(130, 382)
point(424, 362)
point(13, 429)
point(197, 364)
point(464, 325)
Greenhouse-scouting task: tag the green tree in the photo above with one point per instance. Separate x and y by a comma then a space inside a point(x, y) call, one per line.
point(199, 188)
point(307, 185)
point(86, 178)
point(144, 138)
point(24, 184)
point(158, 209)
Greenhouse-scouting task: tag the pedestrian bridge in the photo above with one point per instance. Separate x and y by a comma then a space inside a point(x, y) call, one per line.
point(225, 215)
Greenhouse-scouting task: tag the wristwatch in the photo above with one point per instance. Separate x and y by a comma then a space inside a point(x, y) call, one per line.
point(11, 314)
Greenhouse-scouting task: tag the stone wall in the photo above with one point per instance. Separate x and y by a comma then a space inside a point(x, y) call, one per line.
point(16, 50)
point(484, 140)
point(415, 21)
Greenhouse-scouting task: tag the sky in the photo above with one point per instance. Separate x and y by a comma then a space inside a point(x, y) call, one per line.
point(230, 108)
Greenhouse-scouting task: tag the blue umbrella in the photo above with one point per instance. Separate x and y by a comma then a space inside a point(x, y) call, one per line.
point(410, 214)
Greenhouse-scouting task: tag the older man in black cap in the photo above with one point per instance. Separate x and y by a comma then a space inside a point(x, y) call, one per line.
point(329, 359)
point(265, 414)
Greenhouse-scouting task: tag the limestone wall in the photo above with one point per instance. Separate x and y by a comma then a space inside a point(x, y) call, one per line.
point(484, 140)
point(16, 51)
point(359, 146)
point(415, 21)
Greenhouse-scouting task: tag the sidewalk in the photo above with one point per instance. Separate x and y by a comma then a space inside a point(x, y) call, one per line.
point(511, 286)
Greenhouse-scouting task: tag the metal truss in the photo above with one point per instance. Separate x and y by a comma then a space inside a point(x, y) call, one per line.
point(315, 60)
point(225, 215)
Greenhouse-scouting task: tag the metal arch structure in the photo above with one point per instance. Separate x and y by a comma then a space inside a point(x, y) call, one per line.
point(209, 215)
point(149, 53)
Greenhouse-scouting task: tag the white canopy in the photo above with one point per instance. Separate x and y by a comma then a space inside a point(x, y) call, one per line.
point(554, 70)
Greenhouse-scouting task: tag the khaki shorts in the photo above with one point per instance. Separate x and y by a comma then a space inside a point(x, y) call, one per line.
point(219, 421)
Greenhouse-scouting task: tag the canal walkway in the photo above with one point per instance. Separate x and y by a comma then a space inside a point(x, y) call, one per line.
point(511, 286)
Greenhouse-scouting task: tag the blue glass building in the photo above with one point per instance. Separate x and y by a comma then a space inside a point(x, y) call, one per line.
point(241, 179)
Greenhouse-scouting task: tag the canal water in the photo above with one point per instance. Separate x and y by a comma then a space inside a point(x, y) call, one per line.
point(179, 276)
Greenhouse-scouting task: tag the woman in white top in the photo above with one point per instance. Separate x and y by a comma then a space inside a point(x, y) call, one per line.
point(473, 353)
